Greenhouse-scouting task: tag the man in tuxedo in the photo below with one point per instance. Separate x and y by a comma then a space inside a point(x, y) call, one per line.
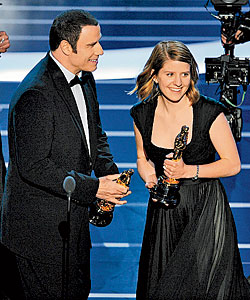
point(55, 131)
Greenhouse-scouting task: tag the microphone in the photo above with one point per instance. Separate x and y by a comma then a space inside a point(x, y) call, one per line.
point(69, 185)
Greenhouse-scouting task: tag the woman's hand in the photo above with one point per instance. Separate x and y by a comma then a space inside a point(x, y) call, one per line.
point(150, 184)
point(173, 169)
point(151, 181)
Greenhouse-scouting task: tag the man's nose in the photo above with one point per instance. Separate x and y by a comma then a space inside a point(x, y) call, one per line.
point(98, 49)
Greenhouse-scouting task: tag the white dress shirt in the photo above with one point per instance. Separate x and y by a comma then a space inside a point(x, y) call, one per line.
point(79, 97)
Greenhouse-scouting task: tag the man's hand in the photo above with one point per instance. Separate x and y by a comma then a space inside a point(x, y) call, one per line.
point(4, 42)
point(112, 191)
point(236, 39)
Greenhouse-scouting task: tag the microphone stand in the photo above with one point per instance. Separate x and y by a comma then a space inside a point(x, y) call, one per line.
point(64, 229)
point(67, 247)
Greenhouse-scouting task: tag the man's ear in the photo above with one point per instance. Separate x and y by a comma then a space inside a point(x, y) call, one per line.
point(66, 47)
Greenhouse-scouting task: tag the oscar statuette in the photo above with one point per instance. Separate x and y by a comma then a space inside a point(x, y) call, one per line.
point(101, 211)
point(166, 191)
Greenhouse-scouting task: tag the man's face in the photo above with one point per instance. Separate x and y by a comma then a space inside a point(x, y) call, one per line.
point(88, 50)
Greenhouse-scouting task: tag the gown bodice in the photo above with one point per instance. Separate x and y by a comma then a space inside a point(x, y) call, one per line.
point(199, 150)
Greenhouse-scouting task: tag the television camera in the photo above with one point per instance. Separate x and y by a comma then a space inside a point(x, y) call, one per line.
point(229, 71)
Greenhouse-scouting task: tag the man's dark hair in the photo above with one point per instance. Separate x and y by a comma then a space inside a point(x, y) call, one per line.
point(67, 26)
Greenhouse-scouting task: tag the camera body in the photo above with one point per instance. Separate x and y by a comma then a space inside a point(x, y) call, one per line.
point(227, 70)
point(229, 2)
point(236, 72)
point(225, 5)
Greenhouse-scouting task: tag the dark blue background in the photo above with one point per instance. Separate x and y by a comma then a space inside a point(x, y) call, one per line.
point(127, 24)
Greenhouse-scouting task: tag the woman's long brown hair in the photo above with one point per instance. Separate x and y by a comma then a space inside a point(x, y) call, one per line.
point(163, 51)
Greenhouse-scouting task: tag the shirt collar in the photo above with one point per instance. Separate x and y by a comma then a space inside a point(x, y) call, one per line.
point(69, 75)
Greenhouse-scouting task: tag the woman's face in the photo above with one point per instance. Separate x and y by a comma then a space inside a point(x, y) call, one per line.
point(174, 79)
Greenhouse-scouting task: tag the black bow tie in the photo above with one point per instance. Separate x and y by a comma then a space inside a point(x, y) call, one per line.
point(74, 81)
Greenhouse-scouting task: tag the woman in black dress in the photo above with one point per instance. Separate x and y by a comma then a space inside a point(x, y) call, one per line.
point(191, 251)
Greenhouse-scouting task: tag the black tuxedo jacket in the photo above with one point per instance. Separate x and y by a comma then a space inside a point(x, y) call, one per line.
point(46, 144)
point(2, 170)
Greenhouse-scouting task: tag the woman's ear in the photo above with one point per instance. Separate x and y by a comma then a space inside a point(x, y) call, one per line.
point(154, 76)
point(66, 47)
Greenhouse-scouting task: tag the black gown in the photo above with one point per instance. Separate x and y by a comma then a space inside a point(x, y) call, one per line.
point(190, 252)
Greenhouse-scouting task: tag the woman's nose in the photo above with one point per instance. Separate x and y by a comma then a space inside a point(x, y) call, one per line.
point(177, 80)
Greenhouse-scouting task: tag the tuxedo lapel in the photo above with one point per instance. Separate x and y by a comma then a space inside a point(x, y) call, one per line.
point(89, 95)
point(63, 89)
